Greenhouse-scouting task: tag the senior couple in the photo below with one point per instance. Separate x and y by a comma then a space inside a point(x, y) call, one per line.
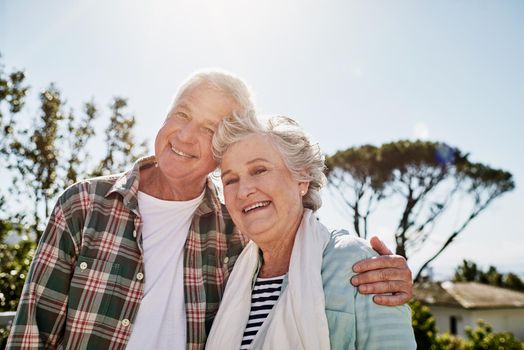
point(140, 260)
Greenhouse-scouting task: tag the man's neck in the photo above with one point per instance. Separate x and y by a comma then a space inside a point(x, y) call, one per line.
point(154, 183)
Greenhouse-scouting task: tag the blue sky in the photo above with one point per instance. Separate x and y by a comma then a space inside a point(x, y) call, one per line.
point(351, 72)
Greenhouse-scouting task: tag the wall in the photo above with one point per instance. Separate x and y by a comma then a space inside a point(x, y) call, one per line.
point(502, 320)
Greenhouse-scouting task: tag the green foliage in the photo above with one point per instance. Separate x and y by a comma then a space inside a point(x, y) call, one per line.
point(483, 338)
point(4, 334)
point(79, 132)
point(35, 154)
point(15, 260)
point(469, 272)
point(424, 325)
point(12, 91)
point(448, 341)
point(120, 141)
point(480, 338)
point(425, 177)
point(513, 281)
point(43, 153)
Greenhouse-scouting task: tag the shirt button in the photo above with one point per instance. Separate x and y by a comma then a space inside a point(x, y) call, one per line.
point(134, 233)
point(83, 266)
point(226, 259)
point(140, 276)
point(125, 322)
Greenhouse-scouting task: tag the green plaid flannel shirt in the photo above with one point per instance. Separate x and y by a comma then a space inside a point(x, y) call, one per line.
point(82, 291)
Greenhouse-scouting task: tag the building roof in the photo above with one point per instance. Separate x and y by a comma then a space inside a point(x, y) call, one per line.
point(468, 295)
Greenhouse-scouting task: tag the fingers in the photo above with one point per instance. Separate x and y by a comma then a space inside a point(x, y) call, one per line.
point(388, 275)
point(379, 246)
point(393, 287)
point(381, 262)
point(392, 300)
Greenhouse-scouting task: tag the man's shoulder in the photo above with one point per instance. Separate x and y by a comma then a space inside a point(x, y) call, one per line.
point(100, 186)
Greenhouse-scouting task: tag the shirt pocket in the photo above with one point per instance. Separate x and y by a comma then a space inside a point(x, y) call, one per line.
point(92, 287)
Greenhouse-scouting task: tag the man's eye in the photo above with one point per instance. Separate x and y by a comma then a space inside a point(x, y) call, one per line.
point(259, 171)
point(209, 131)
point(182, 115)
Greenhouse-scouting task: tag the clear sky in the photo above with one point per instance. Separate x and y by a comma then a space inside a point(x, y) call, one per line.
point(351, 72)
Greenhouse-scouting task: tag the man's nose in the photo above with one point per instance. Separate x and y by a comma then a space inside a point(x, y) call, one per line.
point(188, 133)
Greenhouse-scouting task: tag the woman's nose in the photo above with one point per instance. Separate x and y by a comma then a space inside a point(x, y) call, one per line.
point(246, 188)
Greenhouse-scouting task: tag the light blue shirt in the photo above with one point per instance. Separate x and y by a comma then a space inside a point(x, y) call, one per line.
point(354, 320)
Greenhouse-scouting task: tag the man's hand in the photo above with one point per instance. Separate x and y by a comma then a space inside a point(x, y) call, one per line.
point(383, 274)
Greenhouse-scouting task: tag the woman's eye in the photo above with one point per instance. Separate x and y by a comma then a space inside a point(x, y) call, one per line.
point(229, 181)
point(260, 171)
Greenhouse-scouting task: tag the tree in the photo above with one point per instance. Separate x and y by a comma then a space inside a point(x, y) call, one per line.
point(42, 154)
point(469, 272)
point(35, 150)
point(79, 132)
point(426, 178)
point(121, 150)
point(359, 172)
point(512, 281)
point(424, 325)
point(15, 260)
point(482, 337)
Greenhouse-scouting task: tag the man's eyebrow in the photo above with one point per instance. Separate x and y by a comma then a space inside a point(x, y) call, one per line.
point(184, 105)
point(213, 124)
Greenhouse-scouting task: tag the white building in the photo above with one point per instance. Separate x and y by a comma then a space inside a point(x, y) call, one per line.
point(457, 305)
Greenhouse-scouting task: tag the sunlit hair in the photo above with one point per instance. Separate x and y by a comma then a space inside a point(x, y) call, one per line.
point(223, 82)
point(303, 158)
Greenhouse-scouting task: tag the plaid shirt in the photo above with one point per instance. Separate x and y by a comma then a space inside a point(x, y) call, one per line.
point(87, 278)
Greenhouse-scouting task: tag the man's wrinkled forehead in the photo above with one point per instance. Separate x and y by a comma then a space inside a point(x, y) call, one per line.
point(202, 98)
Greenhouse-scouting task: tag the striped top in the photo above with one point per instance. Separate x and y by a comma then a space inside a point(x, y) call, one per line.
point(264, 296)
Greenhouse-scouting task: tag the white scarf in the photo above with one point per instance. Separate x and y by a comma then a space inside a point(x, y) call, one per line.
point(299, 319)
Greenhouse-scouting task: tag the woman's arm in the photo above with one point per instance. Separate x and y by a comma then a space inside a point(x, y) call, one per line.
point(355, 321)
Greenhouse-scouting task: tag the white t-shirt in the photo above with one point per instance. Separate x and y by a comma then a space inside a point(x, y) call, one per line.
point(161, 319)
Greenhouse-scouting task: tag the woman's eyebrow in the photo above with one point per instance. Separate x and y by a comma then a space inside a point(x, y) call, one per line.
point(225, 172)
point(257, 160)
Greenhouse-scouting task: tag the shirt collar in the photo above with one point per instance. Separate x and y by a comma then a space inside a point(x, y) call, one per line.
point(127, 186)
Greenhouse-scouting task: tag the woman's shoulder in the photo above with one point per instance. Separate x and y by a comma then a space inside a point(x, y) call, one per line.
point(348, 246)
point(341, 253)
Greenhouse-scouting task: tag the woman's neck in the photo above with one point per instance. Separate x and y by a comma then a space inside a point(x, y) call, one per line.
point(277, 255)
point(275, 263)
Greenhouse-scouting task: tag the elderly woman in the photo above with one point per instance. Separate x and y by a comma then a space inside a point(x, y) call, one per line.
point(290, 287)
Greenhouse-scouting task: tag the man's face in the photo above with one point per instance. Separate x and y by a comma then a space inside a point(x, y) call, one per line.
point(183, 143)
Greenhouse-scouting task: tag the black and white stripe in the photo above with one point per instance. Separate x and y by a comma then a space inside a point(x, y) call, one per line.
point(264, 296)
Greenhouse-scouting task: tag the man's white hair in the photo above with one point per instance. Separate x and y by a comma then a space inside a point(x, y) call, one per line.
point(222, 81)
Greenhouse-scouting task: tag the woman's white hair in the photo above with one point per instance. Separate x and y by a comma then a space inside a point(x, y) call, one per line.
point(303, 158)
point(222, 81)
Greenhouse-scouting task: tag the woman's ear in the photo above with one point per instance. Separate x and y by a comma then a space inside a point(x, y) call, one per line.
point(303, 186)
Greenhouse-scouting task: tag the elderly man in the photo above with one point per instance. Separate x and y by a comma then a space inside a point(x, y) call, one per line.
point(139, 260)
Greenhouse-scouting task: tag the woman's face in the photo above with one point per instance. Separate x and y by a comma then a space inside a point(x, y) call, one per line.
point(261, 195)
